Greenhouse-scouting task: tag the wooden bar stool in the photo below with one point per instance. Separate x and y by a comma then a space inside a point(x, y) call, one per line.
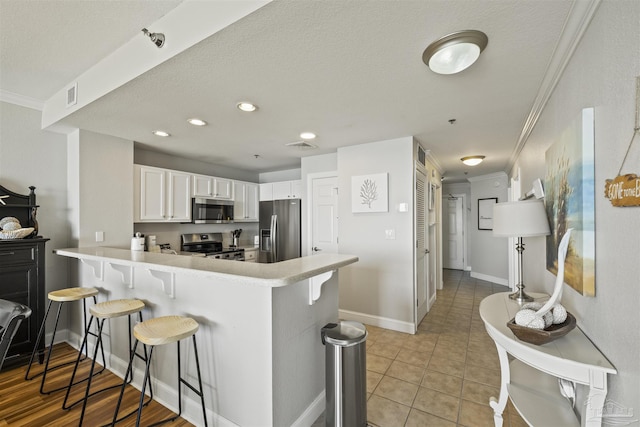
point(101, 312)
point(60, 296)
point(160, 331)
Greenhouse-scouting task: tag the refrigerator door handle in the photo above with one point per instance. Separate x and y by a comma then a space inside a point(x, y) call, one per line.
point(274, 230)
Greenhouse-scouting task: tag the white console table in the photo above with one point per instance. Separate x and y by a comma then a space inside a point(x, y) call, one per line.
point(531, 378)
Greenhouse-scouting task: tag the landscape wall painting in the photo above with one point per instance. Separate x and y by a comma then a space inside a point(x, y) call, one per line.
point(570, 202)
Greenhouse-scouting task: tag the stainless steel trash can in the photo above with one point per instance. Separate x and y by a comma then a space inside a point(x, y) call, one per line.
point(346, 375)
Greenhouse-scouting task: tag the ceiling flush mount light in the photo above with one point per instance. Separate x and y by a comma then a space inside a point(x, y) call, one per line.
point(472, 160)
point(455, 52)
point(308, 135)
point(156, 38)
point(197, 122)
point(247, 107)
point(161, 133)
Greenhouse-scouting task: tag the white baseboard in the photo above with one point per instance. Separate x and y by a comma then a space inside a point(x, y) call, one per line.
point(492, 279)
point(379, 321)
point(312, 413)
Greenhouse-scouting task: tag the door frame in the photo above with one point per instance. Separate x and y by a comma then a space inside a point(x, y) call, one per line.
point(309, 204)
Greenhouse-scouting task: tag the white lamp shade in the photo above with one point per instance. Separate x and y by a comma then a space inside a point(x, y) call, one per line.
point(524, 218)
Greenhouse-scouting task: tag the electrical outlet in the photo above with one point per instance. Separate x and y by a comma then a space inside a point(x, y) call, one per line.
point(99, 236)
point(390, 234)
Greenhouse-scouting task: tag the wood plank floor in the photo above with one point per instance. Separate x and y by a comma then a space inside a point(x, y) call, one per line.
point(21, 403)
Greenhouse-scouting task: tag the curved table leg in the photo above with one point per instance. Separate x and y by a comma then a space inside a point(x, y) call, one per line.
point(498, 405)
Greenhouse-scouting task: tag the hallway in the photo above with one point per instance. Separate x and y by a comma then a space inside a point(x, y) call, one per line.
point(445, 374)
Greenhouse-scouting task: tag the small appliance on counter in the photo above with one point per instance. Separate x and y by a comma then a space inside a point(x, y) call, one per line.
point(209, 244)
point(137, 242)
point(151, 244)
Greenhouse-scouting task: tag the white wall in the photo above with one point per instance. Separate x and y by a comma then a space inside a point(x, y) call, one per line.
point(276, 176)
point(100, 181)
point(601, 74)
point(152, 158)
point(380, 285)
point(31, 156)
point(488, 254)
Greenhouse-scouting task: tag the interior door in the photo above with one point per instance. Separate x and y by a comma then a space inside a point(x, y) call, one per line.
point(454, 234)
point(324, 215)
point(421, 258)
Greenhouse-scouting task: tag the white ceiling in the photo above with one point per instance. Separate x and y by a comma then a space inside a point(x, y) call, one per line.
point(350, 71)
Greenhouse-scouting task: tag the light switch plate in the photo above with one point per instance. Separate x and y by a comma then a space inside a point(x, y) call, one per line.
point(99, 236)
point(390, 234)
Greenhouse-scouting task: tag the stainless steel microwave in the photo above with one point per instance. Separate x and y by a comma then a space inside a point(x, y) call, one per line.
point(210, 211)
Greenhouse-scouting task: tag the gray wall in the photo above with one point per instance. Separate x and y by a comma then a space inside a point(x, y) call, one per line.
point(30, 156)
point(601, 74)
point(380, 285)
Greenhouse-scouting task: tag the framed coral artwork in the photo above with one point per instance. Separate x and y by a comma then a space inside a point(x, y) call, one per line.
point(570, 202)
point(369, 193)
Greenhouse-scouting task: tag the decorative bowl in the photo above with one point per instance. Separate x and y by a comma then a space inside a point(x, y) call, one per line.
point(542, 336)
point(21, 233)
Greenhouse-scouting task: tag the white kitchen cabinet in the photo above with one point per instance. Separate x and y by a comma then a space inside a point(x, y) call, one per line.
point(266, 191)
point(222, 188)
point(281, 190)
point(202, 186)
point(212, 187)
point(161, 195)
point(245, 202)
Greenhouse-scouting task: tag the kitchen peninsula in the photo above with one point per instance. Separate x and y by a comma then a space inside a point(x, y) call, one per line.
point(259, 339)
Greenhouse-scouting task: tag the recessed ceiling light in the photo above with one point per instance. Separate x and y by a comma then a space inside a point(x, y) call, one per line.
point(247, 107)
point(161, 133)
point(197, 122)
point(455, 52)
point(308, 135)
point(472, 160)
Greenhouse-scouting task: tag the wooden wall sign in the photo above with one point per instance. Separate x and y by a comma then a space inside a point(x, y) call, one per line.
point(624, 190)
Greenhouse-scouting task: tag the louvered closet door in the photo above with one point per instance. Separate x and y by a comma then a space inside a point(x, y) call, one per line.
point(421, 262)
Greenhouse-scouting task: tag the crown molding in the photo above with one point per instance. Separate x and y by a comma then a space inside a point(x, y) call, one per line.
point(575, 25)
point(21, 100)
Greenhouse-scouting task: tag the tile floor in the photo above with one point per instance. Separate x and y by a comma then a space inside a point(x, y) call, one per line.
point(445, 374)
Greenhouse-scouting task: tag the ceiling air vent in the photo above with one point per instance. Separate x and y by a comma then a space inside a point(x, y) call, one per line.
point(302, 145)
point(72, 94)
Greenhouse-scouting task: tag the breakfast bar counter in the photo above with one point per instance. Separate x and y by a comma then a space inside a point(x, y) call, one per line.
point(261, 356)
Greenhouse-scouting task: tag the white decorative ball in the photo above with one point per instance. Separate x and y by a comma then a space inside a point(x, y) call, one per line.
point(11, 226)
point(527, 317)
point(559, 314)
point(532, 306)
point(548, 319)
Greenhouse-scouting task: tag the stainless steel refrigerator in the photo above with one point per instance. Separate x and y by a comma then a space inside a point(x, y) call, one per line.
point(280, 227)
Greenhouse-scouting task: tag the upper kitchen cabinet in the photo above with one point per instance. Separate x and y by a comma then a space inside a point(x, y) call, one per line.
point(212, 187)
point(281, 190)
point(161, 195)
point(245, 206)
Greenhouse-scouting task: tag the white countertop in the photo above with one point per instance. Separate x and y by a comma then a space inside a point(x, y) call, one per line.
point(272, 275)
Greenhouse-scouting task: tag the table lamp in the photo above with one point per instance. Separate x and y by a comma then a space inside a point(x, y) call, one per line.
point(526, 218)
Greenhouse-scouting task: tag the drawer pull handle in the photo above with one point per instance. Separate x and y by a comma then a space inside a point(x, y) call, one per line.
point(7, 253)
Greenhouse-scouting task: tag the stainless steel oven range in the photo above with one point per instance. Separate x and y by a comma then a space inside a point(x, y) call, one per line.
point(209, 244)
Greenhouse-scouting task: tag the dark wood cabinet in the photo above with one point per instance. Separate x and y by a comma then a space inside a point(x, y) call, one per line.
point(22, 273)
point(22, 281)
